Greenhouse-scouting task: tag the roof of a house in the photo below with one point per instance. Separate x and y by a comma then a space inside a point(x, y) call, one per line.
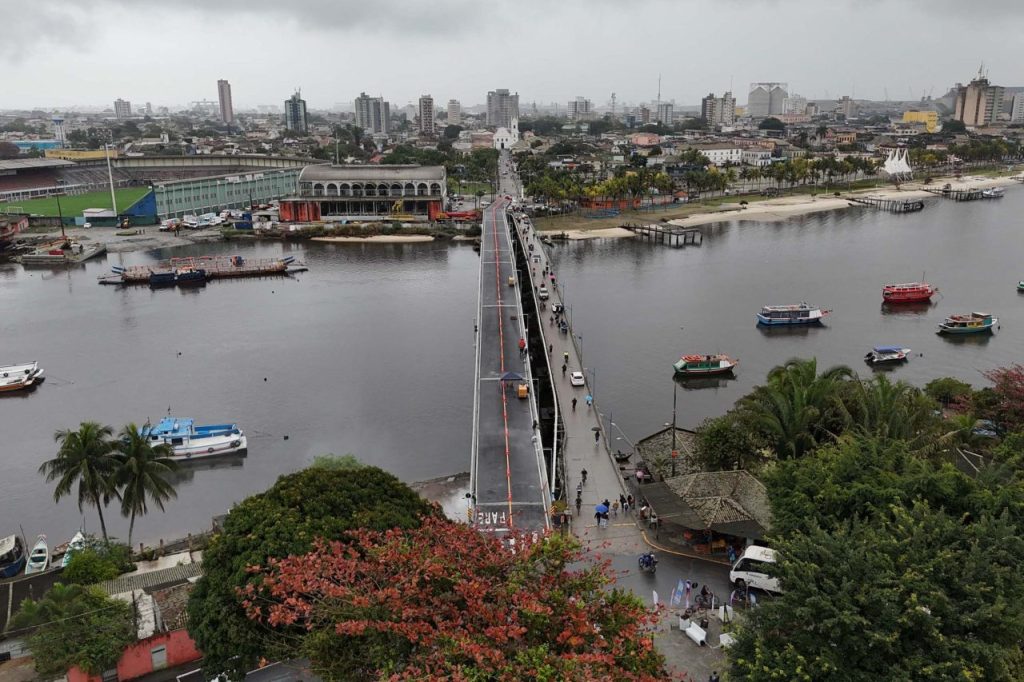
point(729, 502)
point(152, 580)
point(33, 164)
point(374, 173)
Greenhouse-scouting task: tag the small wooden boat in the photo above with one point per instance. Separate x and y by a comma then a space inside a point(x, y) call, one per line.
point(12, 556)
point(1020, 285)
point(887, 355)
point(774, 315)
point(704, 365)
point(75, 544)
point(39, 558)
point(993, 193)
point(18, 377)
point(910, 292)
point(975, 323)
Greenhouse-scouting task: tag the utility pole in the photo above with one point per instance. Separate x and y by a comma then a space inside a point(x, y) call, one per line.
point(110, 174)
point(675, 453)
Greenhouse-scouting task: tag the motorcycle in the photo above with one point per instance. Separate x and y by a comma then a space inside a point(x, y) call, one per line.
point(648, 562)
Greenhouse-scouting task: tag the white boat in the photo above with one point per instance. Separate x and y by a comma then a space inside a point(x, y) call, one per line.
point(882, 355)
point(188, 441)
point(76, 544)
point(17, 377)
point(772, 315)
point(993, 193)
point(39, 559)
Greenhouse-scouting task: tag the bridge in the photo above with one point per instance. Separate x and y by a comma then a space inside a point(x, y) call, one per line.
point(508, 482)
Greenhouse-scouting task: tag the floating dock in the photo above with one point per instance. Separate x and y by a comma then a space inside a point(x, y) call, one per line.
point(957, 194)
point(890, 205)
point(669, 235)
point(214, 267)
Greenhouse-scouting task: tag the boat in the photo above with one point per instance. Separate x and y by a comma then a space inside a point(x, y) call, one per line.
point(18, 377)
point(62, 252)
point(188, 441)
point(993, 193)
point(909, 292)
point(10, 226)
point(704, 365)
point(39, 558)
point(1020, 285)
point(887, 355)
point(772, 315)
point(12, 556)
point(75, 544)
point(975, 323)
point(178, 277)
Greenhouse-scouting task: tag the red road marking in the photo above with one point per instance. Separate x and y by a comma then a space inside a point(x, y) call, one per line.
point(501, 341)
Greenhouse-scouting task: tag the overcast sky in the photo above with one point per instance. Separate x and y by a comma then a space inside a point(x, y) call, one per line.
point(59, 53)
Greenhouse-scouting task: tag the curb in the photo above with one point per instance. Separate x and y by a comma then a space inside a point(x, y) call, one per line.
point(688, 555)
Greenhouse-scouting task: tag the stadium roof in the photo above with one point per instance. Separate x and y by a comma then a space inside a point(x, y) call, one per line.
point(33, 164)
point(372, 173)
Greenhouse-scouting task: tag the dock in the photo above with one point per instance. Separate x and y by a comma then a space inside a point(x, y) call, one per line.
point(669, 235)
point(890, 205)
point(948, 192)
point(215, 267)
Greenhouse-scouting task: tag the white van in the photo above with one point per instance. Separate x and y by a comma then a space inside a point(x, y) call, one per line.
point(753, 569)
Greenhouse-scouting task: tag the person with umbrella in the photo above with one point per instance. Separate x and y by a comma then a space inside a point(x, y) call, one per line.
point(597, 434)
point(601, 514)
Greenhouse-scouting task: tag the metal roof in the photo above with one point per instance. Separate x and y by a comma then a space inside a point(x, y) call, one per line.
point(372, 173)
point(33, 164)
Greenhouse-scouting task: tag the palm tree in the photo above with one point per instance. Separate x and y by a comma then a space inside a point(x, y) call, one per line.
point(84, 458)
point(798, 408)
point(890, 410)
point(142, 470)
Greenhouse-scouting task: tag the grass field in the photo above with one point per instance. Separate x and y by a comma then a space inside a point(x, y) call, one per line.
point(74, 205)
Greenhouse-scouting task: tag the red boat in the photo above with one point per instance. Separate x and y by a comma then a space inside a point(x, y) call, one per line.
point(911, 292)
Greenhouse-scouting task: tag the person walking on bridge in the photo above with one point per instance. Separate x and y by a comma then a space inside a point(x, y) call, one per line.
point(574, 404)
point(565, 356)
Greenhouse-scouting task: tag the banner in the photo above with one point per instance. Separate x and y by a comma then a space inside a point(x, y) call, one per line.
point(677, 593)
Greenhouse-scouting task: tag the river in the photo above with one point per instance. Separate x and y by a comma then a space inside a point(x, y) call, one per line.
point(371, 351)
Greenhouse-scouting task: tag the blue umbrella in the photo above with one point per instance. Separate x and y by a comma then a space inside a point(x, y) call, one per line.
point(601, 509)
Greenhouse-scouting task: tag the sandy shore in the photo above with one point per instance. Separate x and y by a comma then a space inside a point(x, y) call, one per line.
point(378, 239)
point(144, 239)
point(784, 208)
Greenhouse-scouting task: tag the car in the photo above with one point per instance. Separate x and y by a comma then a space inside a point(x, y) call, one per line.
point(542, 293)
point(577, 379)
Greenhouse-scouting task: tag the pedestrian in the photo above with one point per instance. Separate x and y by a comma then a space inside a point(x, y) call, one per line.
point(551, 321)
point(629, 501)
point(597, 517)
point(604, 520)
point(615, 507)
point(597, 437)
point(590, 400)
point(565, 367)
point(551, 347)
point(565, 356)
point(574, 404)
point(623, 503)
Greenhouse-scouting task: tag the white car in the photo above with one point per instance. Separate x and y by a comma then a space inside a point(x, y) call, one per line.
point(753, 569)
point(542, 293)
point(577, 379)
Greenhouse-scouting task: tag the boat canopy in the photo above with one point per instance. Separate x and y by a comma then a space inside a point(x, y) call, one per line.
point(169, 426)
point(888, 349)
point(7, 544)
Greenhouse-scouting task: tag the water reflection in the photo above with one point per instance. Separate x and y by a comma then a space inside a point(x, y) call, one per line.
point(187, 468)
point(981, 339)
point(908, 308)
point(691, 383)
point(790, 329)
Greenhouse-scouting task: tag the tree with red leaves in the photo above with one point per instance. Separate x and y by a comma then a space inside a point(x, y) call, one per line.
point(1009, 394)
point(444, 601)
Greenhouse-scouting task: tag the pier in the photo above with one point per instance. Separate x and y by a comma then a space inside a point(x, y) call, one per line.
point(890, 205)
point(215, 267)
point(670, 235)
point(509, 487)
point(957, 194)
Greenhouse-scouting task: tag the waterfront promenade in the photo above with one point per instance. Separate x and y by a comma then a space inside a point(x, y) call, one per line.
point(508, 483)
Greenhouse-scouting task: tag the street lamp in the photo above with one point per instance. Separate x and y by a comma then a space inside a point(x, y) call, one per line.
point(580, 337)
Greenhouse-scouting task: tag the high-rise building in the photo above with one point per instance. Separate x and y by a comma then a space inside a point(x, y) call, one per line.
point(295, 113)
point(502, 107)
point(979, 102)
point(767, 99)
point(718, 111)
point(373, 114)
point(795, 104)
point(58, 131)
point(847, 107)
point(643, 115)
point(665, 113)
point(426, 115)
point(227, 110)
point(149, 109)
point(122, 109)
point(1017, 109)
point(579, 109)
point(454, 112)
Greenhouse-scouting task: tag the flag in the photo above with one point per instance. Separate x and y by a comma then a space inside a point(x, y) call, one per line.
point(655, 597)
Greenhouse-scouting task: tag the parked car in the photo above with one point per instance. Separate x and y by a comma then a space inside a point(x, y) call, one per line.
point(753, 569)
point(542, 293)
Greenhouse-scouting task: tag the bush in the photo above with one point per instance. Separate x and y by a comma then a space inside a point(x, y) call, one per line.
point(88, 567)
point(948, 390)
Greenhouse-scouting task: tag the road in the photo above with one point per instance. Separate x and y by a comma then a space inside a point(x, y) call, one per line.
point(507, 473)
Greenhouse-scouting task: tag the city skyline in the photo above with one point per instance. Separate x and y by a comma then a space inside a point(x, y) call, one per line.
point(738, 43)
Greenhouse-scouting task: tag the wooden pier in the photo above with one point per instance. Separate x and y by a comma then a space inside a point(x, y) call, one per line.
point(957, 194)
point(669, 235)
point(890, 205)
point(215, 267)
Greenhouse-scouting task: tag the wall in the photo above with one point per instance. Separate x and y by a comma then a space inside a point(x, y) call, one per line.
point(137, 659)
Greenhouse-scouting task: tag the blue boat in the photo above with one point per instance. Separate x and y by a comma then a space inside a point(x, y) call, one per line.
point(188, 441)
point(774, 315)
point(12, 556)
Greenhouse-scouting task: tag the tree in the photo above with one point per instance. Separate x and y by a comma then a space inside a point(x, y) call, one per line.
point(76, 626)
point(890, 411)
point(725, 443)
point(1009, 395)
point(142, 474)
point(444, 601)
point(949, 391)
point(84, 458)
point(451, 132)
point(285, 520)
point(88, 567)
point(954, 126)
point(771, 123)
point(9, 150)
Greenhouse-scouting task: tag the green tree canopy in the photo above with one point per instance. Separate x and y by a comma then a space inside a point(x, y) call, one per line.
point(771, 123)
point(285, 520)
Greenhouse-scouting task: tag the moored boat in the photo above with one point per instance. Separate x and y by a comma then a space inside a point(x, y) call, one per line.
point(75, 544)
point(704, 365)
point(39, 558)
point(975, 323)
point(12, 556)
point(62, 252)
point(802, 313)
point(188, 441)
point(993, 193)
point(883, 355)
point(18, 377)
point(909, 292)
point(1020, 285)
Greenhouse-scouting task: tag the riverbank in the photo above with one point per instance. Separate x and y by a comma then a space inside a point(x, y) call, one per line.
point(758, 209)
point(140, 239)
